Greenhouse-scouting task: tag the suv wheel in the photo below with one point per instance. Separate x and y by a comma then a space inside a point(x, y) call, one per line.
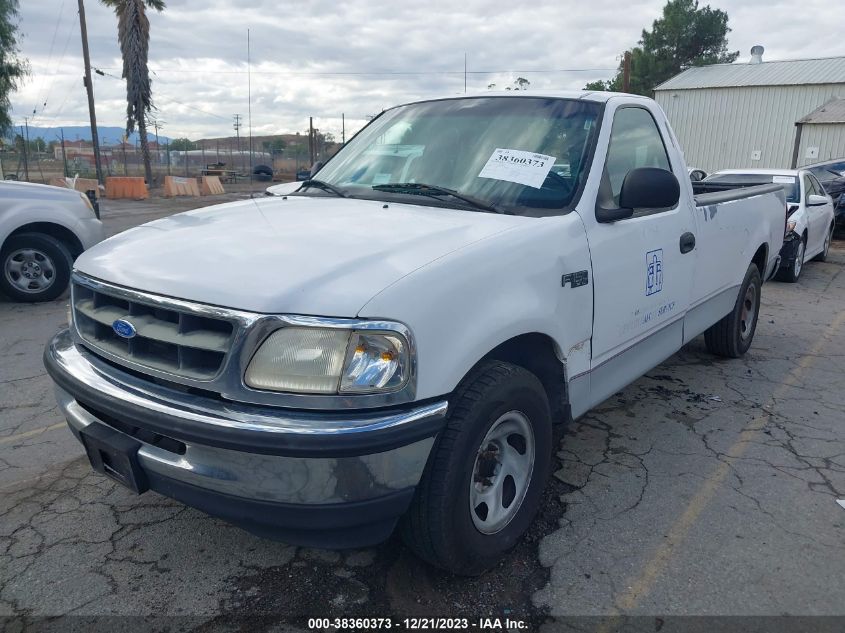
point(34, 267)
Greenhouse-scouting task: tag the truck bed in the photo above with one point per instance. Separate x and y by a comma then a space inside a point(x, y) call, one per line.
point(708, 193)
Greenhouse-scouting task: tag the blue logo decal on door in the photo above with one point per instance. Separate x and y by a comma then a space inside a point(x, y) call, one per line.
point(654, 271)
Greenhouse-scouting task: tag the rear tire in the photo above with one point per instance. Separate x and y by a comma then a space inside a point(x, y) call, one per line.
point(34, 267)
point(827, 240)
point(732, 336)
point(499, 423)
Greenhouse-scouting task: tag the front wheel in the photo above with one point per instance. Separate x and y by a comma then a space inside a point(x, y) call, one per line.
point(791, 273)
point(35, 267)
point(732, 335)
point(484, 480)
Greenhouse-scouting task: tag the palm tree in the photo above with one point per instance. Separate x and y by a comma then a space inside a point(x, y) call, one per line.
point(133, 33)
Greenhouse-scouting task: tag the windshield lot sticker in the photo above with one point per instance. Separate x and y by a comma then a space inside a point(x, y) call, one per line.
point(783, 180)
point(654, 272)
point(514, 165)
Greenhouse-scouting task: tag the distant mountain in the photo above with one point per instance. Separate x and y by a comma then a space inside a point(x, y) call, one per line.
point(109, 135)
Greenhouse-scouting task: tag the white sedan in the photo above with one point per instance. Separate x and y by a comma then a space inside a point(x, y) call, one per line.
point(810, 219)
point(42, 230)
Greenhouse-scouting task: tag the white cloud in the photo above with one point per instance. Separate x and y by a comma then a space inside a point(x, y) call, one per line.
point(198, 51)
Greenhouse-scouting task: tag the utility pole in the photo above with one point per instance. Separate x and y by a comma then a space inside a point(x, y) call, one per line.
point(249, 101)
point(238, 135)
point(89, 86)
point(25, 150)
point(465, 73)
point(626, 72)
point(311, 140)
point(343, 128)
point(64, 156)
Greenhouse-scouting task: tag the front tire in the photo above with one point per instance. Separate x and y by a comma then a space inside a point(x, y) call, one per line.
point(34, 267)
point(791, 274)
point(483, 483)
point(732, 336)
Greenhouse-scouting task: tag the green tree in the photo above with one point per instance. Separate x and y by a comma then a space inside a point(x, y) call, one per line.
point(684, 36)
point(12, 67)
point(133, 33)
point(182, 144)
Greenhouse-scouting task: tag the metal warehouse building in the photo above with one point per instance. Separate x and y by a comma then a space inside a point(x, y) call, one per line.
point(758, 114)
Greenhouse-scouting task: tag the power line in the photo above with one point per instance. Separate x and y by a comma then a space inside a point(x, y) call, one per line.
point(376, 72)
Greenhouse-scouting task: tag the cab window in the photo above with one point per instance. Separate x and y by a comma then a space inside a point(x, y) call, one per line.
point(635, 142)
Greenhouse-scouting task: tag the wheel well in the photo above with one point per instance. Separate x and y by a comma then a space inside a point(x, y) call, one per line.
point(536, 353)
point(65, 236)
point(760, 259)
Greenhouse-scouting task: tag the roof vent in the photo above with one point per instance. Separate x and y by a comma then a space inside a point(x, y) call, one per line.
point(756, 54)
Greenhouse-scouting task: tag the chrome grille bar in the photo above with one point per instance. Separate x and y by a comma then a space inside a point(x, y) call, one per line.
point(168, 339)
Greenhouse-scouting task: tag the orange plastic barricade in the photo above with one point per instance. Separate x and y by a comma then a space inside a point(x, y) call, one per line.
point(176, 186)
point(126, 187)
point(211, 186)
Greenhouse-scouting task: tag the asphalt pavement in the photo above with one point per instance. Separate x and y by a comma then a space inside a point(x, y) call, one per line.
point(708, 487)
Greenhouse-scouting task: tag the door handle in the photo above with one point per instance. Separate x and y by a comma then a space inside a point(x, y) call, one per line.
point(687, 242)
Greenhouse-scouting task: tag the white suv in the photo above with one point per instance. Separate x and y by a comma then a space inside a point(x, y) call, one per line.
point(42, 230)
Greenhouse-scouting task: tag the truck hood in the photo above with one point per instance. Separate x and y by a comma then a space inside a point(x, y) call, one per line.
point(297, 255)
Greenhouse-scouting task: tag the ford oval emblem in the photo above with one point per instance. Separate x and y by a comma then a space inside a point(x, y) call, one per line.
point(124, 328)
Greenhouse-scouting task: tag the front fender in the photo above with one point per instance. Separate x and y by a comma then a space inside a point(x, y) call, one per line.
point(465, 304)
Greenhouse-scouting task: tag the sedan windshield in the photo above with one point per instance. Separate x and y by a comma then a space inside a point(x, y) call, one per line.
point(521, 155)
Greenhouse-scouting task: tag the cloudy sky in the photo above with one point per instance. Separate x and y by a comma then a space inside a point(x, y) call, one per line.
point(322, 58)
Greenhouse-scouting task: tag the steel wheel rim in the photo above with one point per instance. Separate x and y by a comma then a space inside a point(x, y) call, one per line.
point(799, 260)
point(749, 312)
point(501, 473)
point(29, 270)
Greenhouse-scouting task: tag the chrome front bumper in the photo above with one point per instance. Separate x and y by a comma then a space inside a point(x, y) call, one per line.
point(233, 460)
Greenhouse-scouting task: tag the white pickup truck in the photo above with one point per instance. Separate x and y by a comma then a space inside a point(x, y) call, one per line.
point(401, 339)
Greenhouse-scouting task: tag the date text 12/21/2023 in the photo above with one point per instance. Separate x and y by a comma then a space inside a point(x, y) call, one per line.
point(418, 624)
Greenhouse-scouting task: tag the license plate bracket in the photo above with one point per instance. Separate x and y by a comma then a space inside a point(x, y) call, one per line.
point(115, 455)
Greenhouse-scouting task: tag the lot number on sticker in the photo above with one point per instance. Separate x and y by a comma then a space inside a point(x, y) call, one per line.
point(513, 165)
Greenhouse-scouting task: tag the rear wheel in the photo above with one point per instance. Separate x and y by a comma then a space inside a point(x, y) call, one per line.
point(828, 238)
point(732, 335)
point(485, 478)
point(34, 267)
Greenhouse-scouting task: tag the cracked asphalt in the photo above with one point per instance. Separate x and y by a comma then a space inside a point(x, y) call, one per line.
point(708, 487)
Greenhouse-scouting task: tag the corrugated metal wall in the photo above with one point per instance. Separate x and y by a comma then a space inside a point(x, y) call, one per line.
point(829, 138)
point(720, 128)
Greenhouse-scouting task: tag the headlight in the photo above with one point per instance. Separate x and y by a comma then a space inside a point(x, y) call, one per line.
point(327, 361)
point(87, 201)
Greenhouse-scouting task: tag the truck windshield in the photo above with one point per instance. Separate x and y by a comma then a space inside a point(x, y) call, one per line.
point(521, 155)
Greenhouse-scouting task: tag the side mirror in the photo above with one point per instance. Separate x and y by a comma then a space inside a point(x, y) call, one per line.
point(815, 200)
point(643, 188)
point(649, 188)
point(316, 167)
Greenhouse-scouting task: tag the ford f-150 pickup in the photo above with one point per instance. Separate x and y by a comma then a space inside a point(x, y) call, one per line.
point(400, 339)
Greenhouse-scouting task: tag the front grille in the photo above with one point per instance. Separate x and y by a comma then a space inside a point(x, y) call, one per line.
point(168, 340)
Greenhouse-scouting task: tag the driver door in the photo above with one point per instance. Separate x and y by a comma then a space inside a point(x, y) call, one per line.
point(642, 275)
